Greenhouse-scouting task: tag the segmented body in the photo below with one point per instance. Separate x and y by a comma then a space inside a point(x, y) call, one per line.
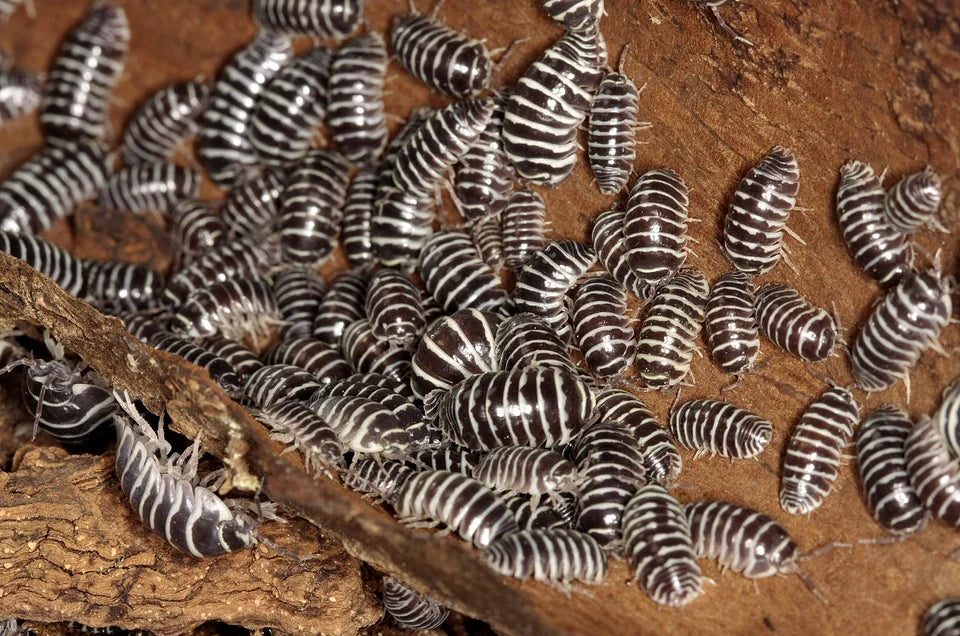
point(660, 456)
point(313, 356)
point(355, 98)
point(602, 328)
point(607, 237)
point(934, 472)
point(164, 122)
point(454, 348)
point(656, 537)
point(219, 369)
point(522, 225)
point(394, 308)
point(299, 292)
point(410, 608)
point(543, 282)
point(534, 471)
point(884, 253)
point(795, 325)
point(121, 286)
point(66, 270)
point(814, 450)
point(731, 323)
point(456, 277)
point(551, 556)
point(667, 337)
point(232, 308)
point(334, 19)
point(719, 428)
point(758, 214)
point(882, 462)
point(149, 187)
point(525, 340)
point(368, 354)
point(901, 327)
point(913, 203)
point(613, 122)
point(341, 306)
point(462, 504)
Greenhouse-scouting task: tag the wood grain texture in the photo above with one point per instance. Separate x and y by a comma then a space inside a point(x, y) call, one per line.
point(865, 79)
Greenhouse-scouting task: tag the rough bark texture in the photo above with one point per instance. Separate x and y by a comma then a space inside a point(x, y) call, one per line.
point(833, 81)
point(73, 550)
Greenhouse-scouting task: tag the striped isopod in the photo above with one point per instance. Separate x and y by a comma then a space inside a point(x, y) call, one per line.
point(522, 226)
point(149, 187)
point(543, 515)
point(612, 468)
point(668, 334)
point(377, 477)
point(884, 253)
point(341, 306)
point(660, 455)
point(454, 348)
point(146, 324)
point(195, 227)
point(731, 323)
point(400, 228)
point(757, 218)
point(164, 494)
point(75, 407)
point(219, 369)
point(525, 340)
point(483, 178)
point(410, 608)
point(252, 206)
point(914, 201)
point(290, 108)
point(548, 105)
point(613, 124)
point(313, 356)
point(543, 282)
point(363, 425)
point(459, 502)
point(881, 459)
point(456, 277)
point(814, 450)
point(121, 285)
point(719, 428)
point(273, 383)
point(656, 538)
point(51, 260)
point(389, 162)
point(311, 207)
point(299, 292)
point(552, 556)
point(655, 226)
point(444, 59)
point(394, 308)
point(223, 142)
point(947, 417)
point(573, 13)
point(441, 141)
point(523, 407)
point(431, 308)
point(901, 326)
point(19, 94)
point(368, 354)
point(233, 308)
point(355, 98)
point(236, 259)
point(487, 237)
point(534, 471)
point(795, 325)
point(455, 460)
point(601, 327)
point(744, 540)
point(943, 618)
point(607, 238)
point(356, 235)
point(293, 422)
point(934, 472)
point(77, 92)
point(242, 359)
point(409, 414)
point(164, 121)
point(319, 18)
point(51, 185)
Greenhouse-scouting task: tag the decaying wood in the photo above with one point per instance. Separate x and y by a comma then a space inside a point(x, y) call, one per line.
point(74, 550)
point(833, 81)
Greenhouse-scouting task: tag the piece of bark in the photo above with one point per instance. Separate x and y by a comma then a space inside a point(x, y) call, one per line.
point(74, 550)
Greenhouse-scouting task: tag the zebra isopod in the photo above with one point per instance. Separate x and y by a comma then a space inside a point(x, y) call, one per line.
point(121, 286)
point(731, 324)
point(454, 348)
point(164, 122)
point(943, 618)
point(884, 253)
point(556, 556)
point(410, 608)
point(236, 259)
point(655, 226)
point(313, 356)
point(394, 308)
point(459, 502)
point(66, 270)
point(882, 462)
point(607, 237)
point(934, 472)
point(657, 540)
point(369, 354)
point(355, 112)
point(294, 423)
point(456, 277)
point(602, 328)
point(334, 19)
point(522, 223)
point(613, 122)
point(252, 206)
point(660, 456)
point(274, 383)
point(341, 306)
point(534, 471)
point(719, 428)
point(794, 324)
point(525, 340)
point(232, 307)
point(483, 178)
point(299, 292)
point(149, 187)
point(913, 203)
point(219, 369)
point(810, 465)
point(358, 209)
